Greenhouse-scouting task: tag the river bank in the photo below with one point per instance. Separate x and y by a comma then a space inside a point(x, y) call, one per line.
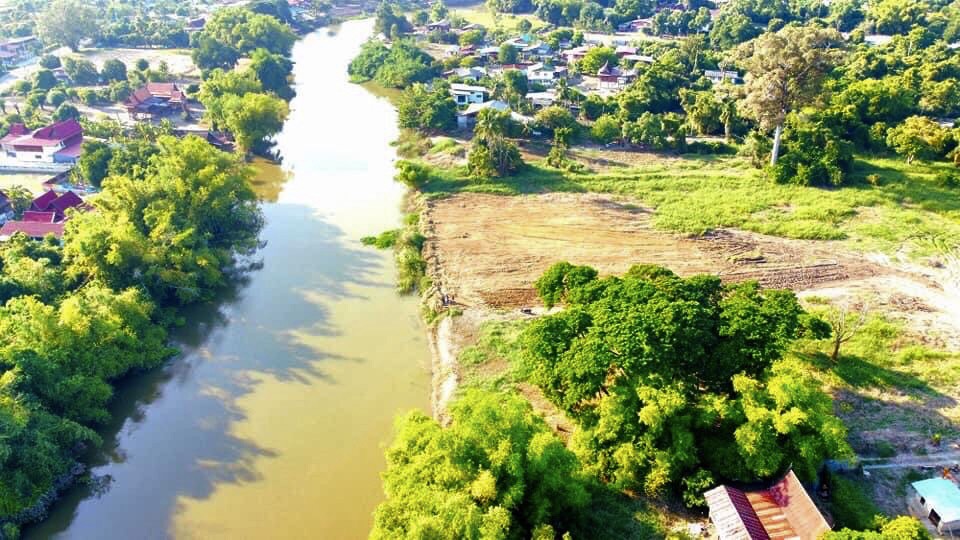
point(271, 420)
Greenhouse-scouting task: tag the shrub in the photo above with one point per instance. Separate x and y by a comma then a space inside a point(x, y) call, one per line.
point(850, 507)
point(606, 129)
point(412, 174)
point(710, 148)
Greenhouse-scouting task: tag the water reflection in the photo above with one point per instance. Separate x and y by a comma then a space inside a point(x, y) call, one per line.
point(270, 423)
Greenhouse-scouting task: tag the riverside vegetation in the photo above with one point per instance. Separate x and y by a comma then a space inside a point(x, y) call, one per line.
point(674, 385)
point(171, 227)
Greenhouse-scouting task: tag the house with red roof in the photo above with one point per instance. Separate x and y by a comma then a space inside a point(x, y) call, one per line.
point(154, 100)
point(57, 205)
point(47, 215)
point(31, 229)
point(782, 511)
point(58, 143)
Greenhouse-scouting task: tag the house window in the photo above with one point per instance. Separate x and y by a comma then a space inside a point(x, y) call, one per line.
point(934, 517)
point(923, 501)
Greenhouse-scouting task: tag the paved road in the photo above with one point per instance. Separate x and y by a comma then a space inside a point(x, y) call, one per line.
point(942, 459)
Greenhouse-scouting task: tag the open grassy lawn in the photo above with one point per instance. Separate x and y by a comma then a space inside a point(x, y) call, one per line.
point(479, 14)
point(907, 210)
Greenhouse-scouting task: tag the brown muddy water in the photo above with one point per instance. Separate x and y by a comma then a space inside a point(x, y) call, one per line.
point(272, 421)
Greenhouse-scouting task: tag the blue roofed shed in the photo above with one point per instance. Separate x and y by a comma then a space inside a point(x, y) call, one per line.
point(939, 500)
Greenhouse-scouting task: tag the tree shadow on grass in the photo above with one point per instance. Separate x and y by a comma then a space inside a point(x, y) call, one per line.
point(900, 187)
point(881, 406)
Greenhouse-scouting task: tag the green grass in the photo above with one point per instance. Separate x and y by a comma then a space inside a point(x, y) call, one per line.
point(479, 14)
point(490, 362)
point(699, 193)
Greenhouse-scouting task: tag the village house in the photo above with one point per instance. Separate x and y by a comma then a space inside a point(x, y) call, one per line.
point(614, 78)
point(545, 75)
point(196, 24)
point(540, 100)
point(16, 50)
point(635, 25)
point(58, 143)
point(439, 26)
point(634, 58)
point(576, 54)
point(467, 73)
point(536, 51)
point(718, 76)
point(784, 510)
point(47, 215)
point(466, 94)
point(625, 50)
point(468, 117)
point(937, 499)
point(155, 100)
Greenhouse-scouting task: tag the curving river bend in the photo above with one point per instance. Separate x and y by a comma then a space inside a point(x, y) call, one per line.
point(272, 422)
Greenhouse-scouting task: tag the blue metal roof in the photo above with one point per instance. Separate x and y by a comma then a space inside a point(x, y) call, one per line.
point(942, 495)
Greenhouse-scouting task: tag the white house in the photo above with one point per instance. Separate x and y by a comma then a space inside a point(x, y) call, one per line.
point(545, 75)
point(465, 94)
point(717, 77)
point(541, 99)
point(58, 143)
point(939, 500)
point(468, 73)
point(467, 117)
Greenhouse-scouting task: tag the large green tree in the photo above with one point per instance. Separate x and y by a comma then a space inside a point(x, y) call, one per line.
point(67, 22)
point(497, 471)
point(785, 70)
point(673, 379)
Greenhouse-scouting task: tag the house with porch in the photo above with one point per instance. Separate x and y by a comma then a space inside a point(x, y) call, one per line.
point(468, 117)
point(154, 100)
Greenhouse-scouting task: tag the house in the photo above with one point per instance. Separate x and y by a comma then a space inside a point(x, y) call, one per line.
point(32, 229)
point(576, 54)
point(540, 100)
point(196, 24)
point(17, 50)
point(635, 25)
point(465, 94)
point(545, 75)
point(877, 40)
point(784, 510)
point(625, 50)
point(468, 117)
point(439, 26)
point(52, 203)
point(638, 58)
point(939, 500)
point(539, 50)
point(56, 143)
point(155, 99)
point(614, 78)
point(489, 52)
point(467, 73)
point(717, 77)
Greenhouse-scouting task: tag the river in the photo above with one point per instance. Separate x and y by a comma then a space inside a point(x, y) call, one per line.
point(272, 421)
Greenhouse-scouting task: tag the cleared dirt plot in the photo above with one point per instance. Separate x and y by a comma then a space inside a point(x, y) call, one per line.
point(487, 250)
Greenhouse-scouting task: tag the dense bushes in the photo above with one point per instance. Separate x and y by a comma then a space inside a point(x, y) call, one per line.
point(496, 471)
point(397, 66)
point(674, 378)
point(813, 155)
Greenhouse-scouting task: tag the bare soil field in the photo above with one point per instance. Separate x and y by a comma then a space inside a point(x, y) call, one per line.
point(487, 250)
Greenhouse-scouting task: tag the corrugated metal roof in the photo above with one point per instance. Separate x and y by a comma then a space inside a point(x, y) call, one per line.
point(942, 495)
point(784, 510)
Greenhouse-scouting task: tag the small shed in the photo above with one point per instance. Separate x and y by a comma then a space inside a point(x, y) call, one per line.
point(939, 499)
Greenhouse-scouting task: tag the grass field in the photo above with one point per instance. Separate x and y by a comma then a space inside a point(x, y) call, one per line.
point(907, 211)
point(479, 14)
